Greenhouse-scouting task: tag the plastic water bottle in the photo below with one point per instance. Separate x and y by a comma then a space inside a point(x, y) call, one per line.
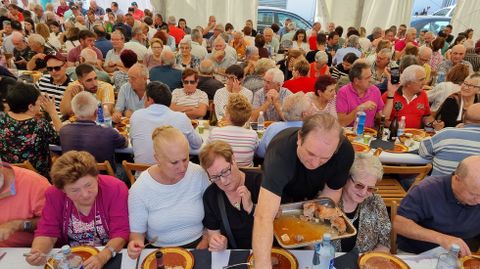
point(316, 257)
point(100, 119)
point(261, 122)
point(326, 253)
point(57, 259)
point(70, 260)
point(401, 126)
point(440, 76)
point(362, 117)
point(106, 116)
point(449, 260)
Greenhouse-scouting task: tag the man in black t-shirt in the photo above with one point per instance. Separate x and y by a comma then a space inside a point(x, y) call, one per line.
point(299, 164)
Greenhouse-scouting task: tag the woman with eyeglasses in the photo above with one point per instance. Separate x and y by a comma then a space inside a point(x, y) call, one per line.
point(189, 99)
point(452, 110)
point(234, 190)
point(165, 203)
point(365, 209)
point(82, 208)
point(185, 59)
point(153, 58)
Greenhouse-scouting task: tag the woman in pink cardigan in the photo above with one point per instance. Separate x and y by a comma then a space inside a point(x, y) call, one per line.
point(82, 208)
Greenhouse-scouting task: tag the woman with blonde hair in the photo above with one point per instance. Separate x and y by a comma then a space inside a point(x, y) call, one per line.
point(153, 58)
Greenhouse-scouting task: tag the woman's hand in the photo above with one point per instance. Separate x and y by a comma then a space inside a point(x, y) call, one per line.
point(217, 242)
point(48, 104)
point(94, 262)
point(36, 257)
point(438, 125)
point(246, 198)
point(134, 248)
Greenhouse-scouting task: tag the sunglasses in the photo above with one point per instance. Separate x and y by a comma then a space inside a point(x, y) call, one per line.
point(189, 82)
point(360, 186)
point(56, 68)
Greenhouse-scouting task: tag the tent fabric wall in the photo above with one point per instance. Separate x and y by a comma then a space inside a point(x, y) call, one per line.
point(467, 14)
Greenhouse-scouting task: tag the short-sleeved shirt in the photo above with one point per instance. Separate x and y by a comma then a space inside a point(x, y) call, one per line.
point(413, 111)
point(180, 98)
point(300, 84)
point(241, 223)
point(74, 54)
point(286, 176)
point(348, 99)
point(46, 85)
point(271, 113)
point(128, 100)
point(104, 94)
point(433, 205)
point(401, 44)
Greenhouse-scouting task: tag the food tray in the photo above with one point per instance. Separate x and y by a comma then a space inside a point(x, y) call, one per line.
point(303, 227)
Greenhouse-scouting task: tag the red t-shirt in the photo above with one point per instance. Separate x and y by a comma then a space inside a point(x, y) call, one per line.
point(413, 111)
point(301, 84)
point(177, 33)
point(315, 74)
point(312, 41)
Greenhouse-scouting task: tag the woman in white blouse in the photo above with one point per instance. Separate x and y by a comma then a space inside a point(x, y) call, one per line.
point(300, 41)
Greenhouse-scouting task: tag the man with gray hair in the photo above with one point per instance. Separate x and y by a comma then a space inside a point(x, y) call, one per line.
point(21, 51)
point(89, 56)
point(411, 100)
point(85, 134)
point(270, 98)
point(206, 81)
point(272, 44)
point(456, 57)
point(424, 56)
point(221, 57)
point(295, 109)
point(378, 68)
point(198, 50)
point(352, 45)
point(165, 73)
point(410, 37)
point(136, 43)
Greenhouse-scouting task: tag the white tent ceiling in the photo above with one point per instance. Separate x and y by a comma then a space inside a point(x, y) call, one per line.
point(467, 15)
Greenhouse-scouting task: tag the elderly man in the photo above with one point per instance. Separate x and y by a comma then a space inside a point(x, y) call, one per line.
point(410, 37)
point(85, 134)
point(360, 95)
point(206, 81)
point(56, 81)
point(208, 30)
point(112, 60)
point(198, 50)
point(411, 100)
point(115, 9)
point(87, 40)
point(165, 73)
point(424, 56)
point(37, 45)
point(428, 39)
point(97, 10)
point(456, 57)
point(379, 72)
point(136, 43)
point(299, 165)
point(39, 14)
point(352, 46)
point(131, 96)
point(89, 56)
point(87, 81)
point(21, 52)
point(292, 28)
point(222, 57)
point(269, 100)
point(442, 210)
point(271, 42)
point(22, 197)
point(157, 113)
point(296, 108)
point(217, 32)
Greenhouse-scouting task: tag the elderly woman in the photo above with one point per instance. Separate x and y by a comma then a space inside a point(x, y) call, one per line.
point(153, 58)
point(128, 59)
point(243, 141)
point(323, 98)
point(185, 59)
point(37, 44)
point(320, 66)
point(238, 192)
point(25, 134)
point(254, 82)
point(365, 209)
point(82, 208)
point(452, 110)
point(189, 99)
point(165, 203)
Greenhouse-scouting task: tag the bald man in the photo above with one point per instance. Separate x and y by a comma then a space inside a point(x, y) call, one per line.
point(442, 211)
point(456, 57)
point(424, 56)
point(89, 56)
point(165, 73)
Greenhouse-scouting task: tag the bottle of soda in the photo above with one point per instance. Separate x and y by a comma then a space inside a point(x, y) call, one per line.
point(100, 119)
point(362, 116)
point(327, 253)
point(381, 127)
point(393, 128)
point(449, 260)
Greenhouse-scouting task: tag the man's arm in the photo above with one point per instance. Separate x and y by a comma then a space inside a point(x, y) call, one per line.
point(408, 228)
point(66, 103)
point(267, 207)
point(331, 193)
point(263, 108)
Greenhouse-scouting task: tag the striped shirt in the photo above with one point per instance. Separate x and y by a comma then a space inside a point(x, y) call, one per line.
point(243, 142)
point(450, 146)
point(45, 85)
point(180, 98)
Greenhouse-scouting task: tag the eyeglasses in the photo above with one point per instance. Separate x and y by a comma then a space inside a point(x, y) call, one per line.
point(225, 173)
point(156, 47)
point(470, 86)
point(360, 186)
point(189, 82)
point(56, 68)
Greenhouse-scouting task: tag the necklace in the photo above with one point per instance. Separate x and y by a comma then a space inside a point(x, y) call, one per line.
point(237, 205)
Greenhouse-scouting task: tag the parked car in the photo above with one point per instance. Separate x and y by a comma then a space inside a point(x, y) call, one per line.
point(268, 15)
point(430, 23)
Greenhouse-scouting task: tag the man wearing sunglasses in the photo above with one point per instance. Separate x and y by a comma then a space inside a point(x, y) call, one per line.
point(441, 211)
point(56, 81)
point(300, 164)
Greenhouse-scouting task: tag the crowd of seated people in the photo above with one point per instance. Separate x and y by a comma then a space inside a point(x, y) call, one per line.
point(160, 76)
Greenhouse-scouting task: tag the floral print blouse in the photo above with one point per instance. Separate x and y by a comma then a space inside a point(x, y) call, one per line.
point(27, 140)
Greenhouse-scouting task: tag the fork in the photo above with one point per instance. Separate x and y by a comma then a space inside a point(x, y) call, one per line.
point(238, 264)
point(153, 240)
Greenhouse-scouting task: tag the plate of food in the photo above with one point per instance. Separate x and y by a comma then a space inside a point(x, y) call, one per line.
point(417, 134)
point(304, 223)
point(470, 262)
point(173, 258)
point(398, 148)
point(83, 251)
point(370, 131)
point(380, 260)
point(281, 259)
point(360, 148)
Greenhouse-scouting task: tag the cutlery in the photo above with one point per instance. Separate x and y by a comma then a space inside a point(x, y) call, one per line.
point(236, 265)
point(153, 240)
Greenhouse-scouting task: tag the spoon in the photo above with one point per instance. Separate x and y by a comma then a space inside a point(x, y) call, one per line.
point(150, 242)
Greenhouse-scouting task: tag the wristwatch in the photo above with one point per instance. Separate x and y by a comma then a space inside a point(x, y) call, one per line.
point(27, 226)
point(112, 250)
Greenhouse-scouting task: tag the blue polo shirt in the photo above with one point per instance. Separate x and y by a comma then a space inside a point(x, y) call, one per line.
point(433, 205)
